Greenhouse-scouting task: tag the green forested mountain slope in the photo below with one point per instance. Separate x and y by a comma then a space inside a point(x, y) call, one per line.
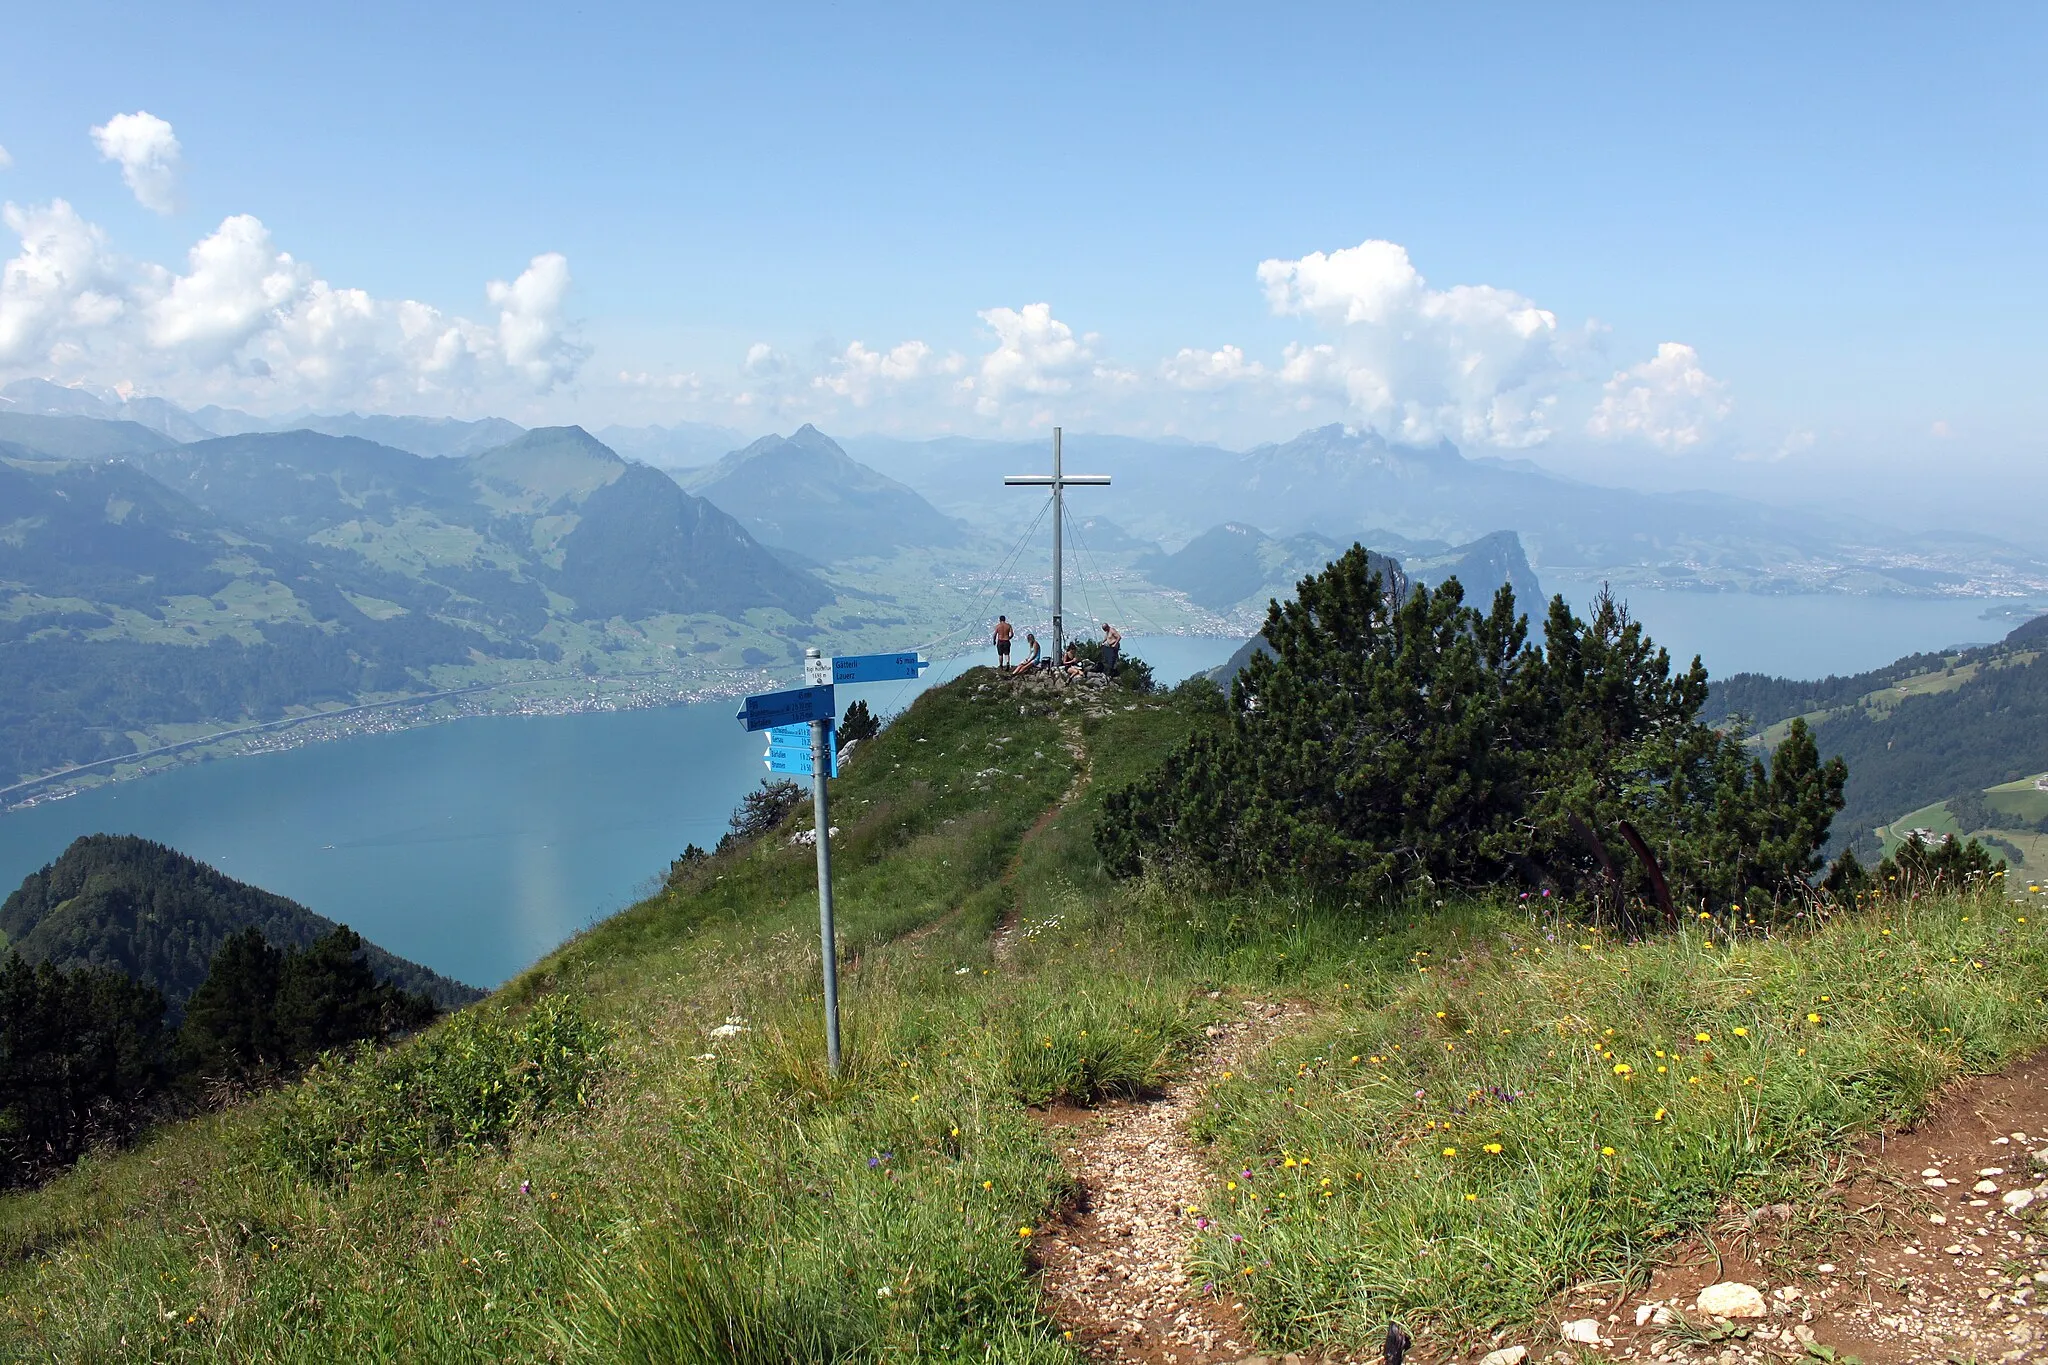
point(1920, 730)
point(1990, 730)
point(158, 916)
point(230, 580)
point(300, 482)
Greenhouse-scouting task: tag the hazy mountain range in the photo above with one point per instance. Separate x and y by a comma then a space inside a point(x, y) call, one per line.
point(1329, 481)
point(1336, 483)
point(386, 557)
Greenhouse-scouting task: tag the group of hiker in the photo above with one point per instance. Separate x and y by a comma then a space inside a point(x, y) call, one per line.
point(1070, 665)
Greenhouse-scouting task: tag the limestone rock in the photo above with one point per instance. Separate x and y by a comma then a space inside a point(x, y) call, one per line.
point(1506, 1355)
point(1583, 1331)
point(1731, 1299)
point(2017, 1200)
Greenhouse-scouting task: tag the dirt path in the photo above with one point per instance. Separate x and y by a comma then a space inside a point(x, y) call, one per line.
point(1009, 933)
point(1942, 1258)
point(1114, 1265)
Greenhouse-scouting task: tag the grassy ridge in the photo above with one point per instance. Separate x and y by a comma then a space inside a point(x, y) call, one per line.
point(722, 1199)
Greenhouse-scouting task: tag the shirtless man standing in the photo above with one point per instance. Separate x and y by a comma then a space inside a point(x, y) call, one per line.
point(1004, 632)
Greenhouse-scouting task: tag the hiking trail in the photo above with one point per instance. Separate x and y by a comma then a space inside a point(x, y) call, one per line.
point(1113, 1264)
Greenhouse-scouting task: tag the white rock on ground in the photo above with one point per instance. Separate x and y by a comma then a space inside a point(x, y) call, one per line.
point(1731, 1299)
point(2017, 1200)
point(1506, 1355)
point(1584, 1331)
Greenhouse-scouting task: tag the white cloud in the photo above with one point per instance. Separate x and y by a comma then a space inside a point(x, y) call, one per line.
point(1472, 363)
point(861, 375)
point(238, 284)
point(1035, 354)
point(530, 332)
point(1222, 368)
point(246, 322)
point(63, 285)
point(1795, 442)
point(149, 155)
point(1669, 400)
point(6, 160)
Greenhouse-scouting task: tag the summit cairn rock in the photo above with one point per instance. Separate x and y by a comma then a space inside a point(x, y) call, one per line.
point(1732, 1299)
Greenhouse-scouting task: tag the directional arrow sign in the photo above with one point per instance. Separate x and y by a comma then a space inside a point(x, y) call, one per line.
point(860, 668)
point(789, 751)
point(797, 764)
point(793, 707)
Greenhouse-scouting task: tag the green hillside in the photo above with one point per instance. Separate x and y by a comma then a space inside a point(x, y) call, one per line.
point(194, 588)
point(633, 1151)
point(1923, 730)
point(158, 917)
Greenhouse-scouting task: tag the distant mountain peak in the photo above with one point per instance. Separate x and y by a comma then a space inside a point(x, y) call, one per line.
point(803, 492)
point(547, 466)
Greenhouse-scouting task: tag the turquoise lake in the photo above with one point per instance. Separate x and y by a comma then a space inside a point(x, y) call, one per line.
point(477, 845)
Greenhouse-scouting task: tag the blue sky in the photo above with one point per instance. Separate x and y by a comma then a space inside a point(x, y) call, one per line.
point(1838, 209)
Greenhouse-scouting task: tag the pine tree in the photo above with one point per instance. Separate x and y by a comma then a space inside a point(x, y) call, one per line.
point(858, 724)
point(327, 997)
point(230, 1026)
point(1390, 743)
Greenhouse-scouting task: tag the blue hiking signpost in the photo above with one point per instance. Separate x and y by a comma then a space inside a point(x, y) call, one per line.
point(770, 709)
point(789, 751)
point(786, 716)
point(861, 668)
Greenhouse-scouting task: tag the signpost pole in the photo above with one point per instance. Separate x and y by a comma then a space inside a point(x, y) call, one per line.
point(828, 941)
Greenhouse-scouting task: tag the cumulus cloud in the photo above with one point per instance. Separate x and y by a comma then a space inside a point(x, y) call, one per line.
point(1669, 401)
point(861, 376)
point(63, 285)
point(245, 321)
point(1471, 363)
point(1037, 357)
point(530, 334)
point(236, 284)
point(148, 152)
point(1222, 368)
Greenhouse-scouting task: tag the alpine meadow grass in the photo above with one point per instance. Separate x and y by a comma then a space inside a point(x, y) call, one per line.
point(634, 1151)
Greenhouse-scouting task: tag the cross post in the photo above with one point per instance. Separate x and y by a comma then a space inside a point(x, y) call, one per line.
point(1058, 482)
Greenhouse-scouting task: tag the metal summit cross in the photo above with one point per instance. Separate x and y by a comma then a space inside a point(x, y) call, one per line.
point(1057, 481)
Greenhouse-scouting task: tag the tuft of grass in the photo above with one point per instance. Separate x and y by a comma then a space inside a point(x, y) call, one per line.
point(464, 1088)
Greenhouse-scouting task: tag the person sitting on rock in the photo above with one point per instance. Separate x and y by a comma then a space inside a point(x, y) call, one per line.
point(1034, 658)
